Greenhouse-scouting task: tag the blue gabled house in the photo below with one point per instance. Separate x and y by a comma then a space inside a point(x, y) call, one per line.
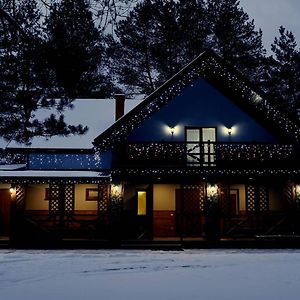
point(205, 156)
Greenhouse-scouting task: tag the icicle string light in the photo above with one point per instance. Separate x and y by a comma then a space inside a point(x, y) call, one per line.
point(212, 70)
point(230, 152)
point(59, 161)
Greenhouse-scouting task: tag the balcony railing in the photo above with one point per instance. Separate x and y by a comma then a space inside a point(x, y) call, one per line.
point(206, 154)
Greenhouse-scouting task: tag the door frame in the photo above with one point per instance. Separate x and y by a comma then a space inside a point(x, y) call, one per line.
point(7, 227)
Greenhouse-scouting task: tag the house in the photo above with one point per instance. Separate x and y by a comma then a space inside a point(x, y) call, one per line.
point(206, 155)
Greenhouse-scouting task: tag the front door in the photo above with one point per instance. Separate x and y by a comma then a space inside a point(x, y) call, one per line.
point(234, 202)
point(5, 203)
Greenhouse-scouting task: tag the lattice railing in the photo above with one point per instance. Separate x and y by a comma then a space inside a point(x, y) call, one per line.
point(180, 153)
point(193, 198)
point(54, 196)
point(103, 198)
point(20, 197)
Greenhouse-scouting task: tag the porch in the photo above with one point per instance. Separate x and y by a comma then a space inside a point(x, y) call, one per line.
point(100, 213)
point(40, 207)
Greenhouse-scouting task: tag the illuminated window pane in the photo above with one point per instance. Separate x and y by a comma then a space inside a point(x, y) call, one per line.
point(91, 195)
point(141, 209)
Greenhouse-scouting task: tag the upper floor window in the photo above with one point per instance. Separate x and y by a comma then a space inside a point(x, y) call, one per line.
point(200, 146)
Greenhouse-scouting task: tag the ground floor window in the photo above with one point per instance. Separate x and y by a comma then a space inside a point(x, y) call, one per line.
point(91, 194)
point(142, 203)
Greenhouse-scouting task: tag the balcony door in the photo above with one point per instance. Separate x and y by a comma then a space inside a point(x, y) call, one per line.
point(200, 146)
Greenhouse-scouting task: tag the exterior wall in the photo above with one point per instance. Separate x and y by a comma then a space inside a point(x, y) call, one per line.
point(164, 196)
point(5, 186)
point(201, 105)
point(80, 202)
point(105, 160)
point(60, 161)
point(35, 197)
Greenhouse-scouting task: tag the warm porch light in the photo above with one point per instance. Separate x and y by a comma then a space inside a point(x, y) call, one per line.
point(12, 190)
point(297, 191)
point(212, 190)
point(116, 191)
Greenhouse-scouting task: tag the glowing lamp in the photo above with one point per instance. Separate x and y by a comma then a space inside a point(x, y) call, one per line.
point(172, 130)
point(297, 191)
point(229, 131)
point(116, 190)
point(212, 190)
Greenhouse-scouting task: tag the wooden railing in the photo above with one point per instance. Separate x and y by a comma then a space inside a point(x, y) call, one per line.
point(206, 154)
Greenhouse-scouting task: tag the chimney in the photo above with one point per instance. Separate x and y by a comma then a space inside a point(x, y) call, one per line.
point(120, 101)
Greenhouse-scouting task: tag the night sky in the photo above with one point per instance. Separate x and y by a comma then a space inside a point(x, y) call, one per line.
point(270, 14)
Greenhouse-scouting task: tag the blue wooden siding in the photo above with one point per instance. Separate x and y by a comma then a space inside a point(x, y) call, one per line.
point(201, 105)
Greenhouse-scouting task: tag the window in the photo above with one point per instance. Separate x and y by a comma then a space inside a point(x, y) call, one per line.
point(91, 194)
point(142, 203)
point(200, 146)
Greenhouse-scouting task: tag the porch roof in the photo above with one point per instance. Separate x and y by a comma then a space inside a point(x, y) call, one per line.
point(37, 176)
point(12, 167)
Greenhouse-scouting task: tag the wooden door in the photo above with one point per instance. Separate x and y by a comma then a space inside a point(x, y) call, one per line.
point(234, 202)
point(5, 203)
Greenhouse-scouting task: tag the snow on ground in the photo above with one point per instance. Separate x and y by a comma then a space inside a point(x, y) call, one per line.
point(135, 274)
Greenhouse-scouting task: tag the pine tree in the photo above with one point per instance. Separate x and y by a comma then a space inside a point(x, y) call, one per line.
point(160, 37)
point(234, 37)
point(147, 50)
point(283, 71)
point(194, 29)
point(166, 45)
point(76, 49)
point(132, 51)
point(25, 82)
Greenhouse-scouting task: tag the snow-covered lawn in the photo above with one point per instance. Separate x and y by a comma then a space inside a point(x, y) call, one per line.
point(135, 274)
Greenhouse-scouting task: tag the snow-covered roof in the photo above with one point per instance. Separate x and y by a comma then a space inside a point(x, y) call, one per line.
point(12, 167)
point(55, 174)
point(97, 114)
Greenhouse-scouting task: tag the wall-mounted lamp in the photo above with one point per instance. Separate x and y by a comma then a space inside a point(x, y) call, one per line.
point(229, 131)
point(297, 191)
point(116, 190)
point(172, 130)
point(212, 190)
point(12, 190)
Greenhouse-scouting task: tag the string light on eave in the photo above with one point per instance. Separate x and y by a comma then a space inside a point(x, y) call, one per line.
point(206, 69)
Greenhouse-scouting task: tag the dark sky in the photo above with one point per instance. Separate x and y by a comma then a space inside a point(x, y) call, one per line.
point(270, 14)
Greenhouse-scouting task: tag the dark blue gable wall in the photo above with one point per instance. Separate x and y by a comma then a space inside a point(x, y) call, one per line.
point(201, 105)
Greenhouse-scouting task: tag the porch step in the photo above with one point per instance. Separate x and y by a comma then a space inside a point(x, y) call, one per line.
point(4, 242)
point(152, 245)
